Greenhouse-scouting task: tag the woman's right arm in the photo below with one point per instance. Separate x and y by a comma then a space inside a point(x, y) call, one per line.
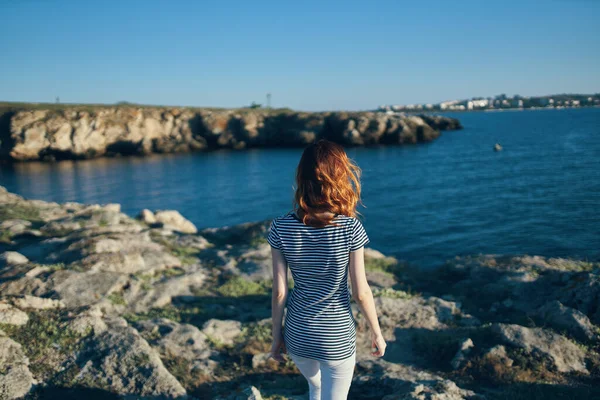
point(361, 293)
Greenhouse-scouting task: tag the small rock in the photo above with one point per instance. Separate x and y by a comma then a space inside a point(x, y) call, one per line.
point(90, 319)
point(253, 393)
point(175, 221)
point(11, 315)
point(260, 359)
point(249, 393)
point(37, 270)
point(462, 353)
point(37, 303)
point(12, 258)
point(223, 331)
point(147, 216)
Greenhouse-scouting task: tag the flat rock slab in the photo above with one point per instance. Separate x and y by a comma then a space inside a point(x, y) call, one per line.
point(121, 361)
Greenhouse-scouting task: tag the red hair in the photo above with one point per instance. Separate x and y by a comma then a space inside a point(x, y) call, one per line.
point(326, 180)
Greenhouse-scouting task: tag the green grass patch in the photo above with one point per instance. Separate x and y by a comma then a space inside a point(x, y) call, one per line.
point(258, 240)
point(182, 369)
point(187, 255)
point(117, 299)
point(387, 264)
point(260, 332)
point(53, 267)
point(60, 267)
point(169, 312)
point(437, 347)
point(392, 293)
point(148, 278)
point(238, 286)
point(47, 341)
point(171, 272)
point(19, 211)
point(216, 343)
point(5, 237)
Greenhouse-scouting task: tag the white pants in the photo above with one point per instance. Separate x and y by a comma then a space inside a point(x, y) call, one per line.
point(327, 380)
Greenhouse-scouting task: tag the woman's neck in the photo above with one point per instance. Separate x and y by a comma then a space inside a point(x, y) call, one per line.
point(327, 214)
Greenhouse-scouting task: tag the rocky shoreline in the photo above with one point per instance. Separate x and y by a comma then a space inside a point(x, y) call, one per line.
point(96, 304)
point(90, 132)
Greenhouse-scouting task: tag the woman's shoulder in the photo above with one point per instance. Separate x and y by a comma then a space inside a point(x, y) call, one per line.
point(348, 218)
point(283, 217)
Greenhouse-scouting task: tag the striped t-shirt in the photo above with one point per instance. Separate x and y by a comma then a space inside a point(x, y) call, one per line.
point(319, 322)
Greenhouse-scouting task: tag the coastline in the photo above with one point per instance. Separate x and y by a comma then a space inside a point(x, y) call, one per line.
point(90, 132)
point(96, 302)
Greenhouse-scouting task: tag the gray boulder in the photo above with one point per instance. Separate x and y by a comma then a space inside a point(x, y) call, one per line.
point(12, 258)
point(147, 216)
point(179, 341)
point(564, 354)
point(560, 317)
point(15, 226)
point(173, 220)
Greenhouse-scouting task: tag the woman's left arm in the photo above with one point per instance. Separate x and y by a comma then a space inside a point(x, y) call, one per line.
point(279, 298)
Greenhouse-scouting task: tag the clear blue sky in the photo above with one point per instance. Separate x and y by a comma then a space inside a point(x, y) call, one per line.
point(311, 55)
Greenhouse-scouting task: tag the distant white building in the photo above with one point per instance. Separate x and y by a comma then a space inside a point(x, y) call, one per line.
point(447, 105)
point(480, 103)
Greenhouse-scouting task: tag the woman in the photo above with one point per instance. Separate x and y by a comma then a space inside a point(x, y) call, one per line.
point(322, 242)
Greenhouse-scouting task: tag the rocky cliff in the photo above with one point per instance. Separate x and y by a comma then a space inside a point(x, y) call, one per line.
point(76, 133)
point(95, 304)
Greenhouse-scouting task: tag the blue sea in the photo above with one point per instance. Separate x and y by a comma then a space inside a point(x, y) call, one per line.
point(423, 203)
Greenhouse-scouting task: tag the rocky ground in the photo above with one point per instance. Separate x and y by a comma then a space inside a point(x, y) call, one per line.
point(95, 304)
point(95, 131)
